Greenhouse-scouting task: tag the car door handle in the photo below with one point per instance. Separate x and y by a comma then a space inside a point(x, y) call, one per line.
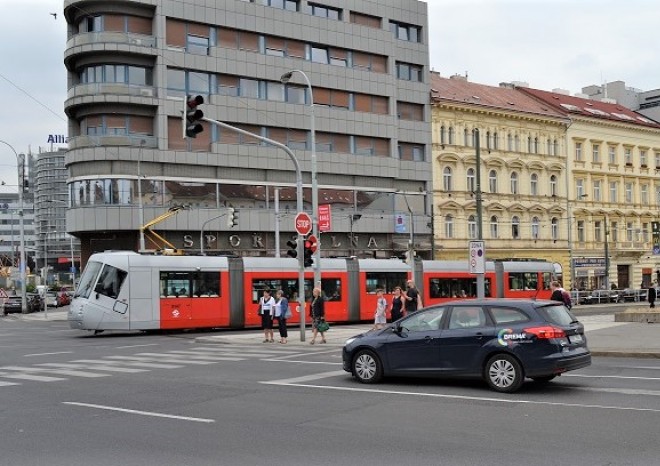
point(428, 339)
point(479, 335)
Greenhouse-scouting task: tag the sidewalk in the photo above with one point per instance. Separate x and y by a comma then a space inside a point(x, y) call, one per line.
point(605, 337)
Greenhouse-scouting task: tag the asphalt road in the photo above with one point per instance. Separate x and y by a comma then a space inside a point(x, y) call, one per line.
point(68, 398)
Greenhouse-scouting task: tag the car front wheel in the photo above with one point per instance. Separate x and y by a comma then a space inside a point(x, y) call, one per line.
point(367, 367)
point(503, 373)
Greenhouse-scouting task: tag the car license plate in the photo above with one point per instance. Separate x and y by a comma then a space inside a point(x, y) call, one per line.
point(576, 339)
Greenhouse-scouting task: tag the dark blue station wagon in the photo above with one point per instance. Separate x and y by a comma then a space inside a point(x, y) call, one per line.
point(502, 341)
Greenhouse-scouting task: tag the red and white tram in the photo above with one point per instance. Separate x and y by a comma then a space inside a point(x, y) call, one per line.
point(124, 290)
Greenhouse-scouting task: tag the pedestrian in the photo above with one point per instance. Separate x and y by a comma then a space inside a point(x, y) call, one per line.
point(317, 313)
point(282, 312)
point(266, 310)
point(413, 299)
point(652, 294)
point(397, 304)
point(380, 317)
point(556, 291)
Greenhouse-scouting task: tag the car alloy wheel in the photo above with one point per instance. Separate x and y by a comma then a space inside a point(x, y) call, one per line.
point(504, 373)
point(367, 367)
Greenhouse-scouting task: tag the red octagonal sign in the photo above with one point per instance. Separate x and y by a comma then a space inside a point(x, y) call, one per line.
point(303, 223)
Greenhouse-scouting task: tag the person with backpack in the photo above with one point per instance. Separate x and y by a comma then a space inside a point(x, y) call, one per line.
point(652, 295)
point(560, 294)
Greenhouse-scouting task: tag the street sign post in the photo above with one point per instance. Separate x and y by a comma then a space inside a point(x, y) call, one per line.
point(477, 257)
point(303, 223)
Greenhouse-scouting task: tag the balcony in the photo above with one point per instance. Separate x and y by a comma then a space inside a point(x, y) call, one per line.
point(81, 90)
point(87, 38)
point(128, 140)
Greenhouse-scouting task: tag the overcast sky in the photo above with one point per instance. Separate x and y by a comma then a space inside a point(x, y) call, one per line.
point(548, 43)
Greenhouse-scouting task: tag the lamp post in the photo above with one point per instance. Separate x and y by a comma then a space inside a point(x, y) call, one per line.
point(411, 239)
point(46, 233)
point(20, 161)
point(142, 245)
point(315, 188)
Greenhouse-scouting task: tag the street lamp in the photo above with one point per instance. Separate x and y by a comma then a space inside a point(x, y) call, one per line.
point(315, 188)
point(20, 161)
point(46, 233)
point(411, 240)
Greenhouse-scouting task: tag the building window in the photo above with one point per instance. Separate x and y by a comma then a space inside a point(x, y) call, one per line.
point(472, 227)
point(443, 135)
point(642, 158)
point(534, 184)
point(657, 160)
point(596, 190)
point(514, 183)
point(553, 185)
point(645, 232)
point(597, 230)
point(580, 231)
point(407, 32)
point(509, 142)
point(409, 72)
point(496, 142)
point(579, 188)
point(291, 5)
point(471, 180)
point(365, 20)
point(493, 227)
point(614, 195)
point(550, 148)
point(492, 181)
point(554, 228)
point(535, 227)
point(412, 112)
point(530, 147)
point(466, 137)
point(627, 153)
point(449, 226)
point(595, 153)
point(611, 154)
point(629, 193)
point(516, 143)
point(198, 45)
point(446, 179)
point(450, 135)
point(578, 151)
point(515, 227)
point(644, 194)
point(614, 231)
point(629, 231)
point(324, 11)
point(319, 55)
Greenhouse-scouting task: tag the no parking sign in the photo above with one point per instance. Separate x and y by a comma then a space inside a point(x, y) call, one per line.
point(477, 259)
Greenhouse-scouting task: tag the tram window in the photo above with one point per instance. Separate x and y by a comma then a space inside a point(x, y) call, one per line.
point(175, 284)
point(206, 284)
point(110, 281)
point(87, 280)
point(386, 281)
point(547, 279)
point(331, 288)
point(523, 281)
point(455, 287)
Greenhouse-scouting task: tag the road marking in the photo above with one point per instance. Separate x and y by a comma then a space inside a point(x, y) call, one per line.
point(35, 378)
point(46, 354)
point(205, 357)
point(129, 361)
point(99, 366)
point(6, 384)
point(68, 372)
point(172, 358)
point(288, 383)
point(305, 378)
point(141, 413)
point(137, 346)
point(623, 377)
point(303, 362)
point(622, 391)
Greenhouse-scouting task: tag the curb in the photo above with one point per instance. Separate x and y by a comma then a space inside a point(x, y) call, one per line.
point(625, 354)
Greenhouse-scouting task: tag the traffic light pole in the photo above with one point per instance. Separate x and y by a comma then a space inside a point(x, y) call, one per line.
point(299, 207)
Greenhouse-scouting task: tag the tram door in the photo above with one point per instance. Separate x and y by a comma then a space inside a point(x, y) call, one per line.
point(110, 298)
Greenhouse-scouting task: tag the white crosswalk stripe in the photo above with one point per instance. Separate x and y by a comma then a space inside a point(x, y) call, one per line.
point(69, 372)
point(141, 362)
point(97, 367)
point(35, 378)
point(6, 384)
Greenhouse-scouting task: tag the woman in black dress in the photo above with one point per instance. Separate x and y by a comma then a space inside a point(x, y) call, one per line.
point(397, 304)
point(317, 313)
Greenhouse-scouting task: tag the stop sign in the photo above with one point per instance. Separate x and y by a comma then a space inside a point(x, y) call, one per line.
point(303, 223)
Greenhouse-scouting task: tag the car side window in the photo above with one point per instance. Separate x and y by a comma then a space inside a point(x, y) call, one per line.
point(508, 315)
point(430, 319)
point(467, 317)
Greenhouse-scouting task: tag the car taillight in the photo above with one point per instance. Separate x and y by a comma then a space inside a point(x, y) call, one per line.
point(545, 332)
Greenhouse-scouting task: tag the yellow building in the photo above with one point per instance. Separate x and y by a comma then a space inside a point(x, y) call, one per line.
point(614, 191)
point(523, 177)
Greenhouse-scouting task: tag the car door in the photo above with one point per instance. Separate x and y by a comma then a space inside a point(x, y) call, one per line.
point(468, 330)
point(415, 346)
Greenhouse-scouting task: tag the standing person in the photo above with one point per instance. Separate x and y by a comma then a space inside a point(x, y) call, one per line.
point(652, 294)
point(317, 313)
point(556, 291)
point(282, 312)
point(413, 299)
point(381, 309)
point(397, 304)
point(266, 310)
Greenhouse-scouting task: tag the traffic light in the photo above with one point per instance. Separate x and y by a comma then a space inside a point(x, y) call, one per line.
point(293, 248)
point(232, 217)
point(310, 248)
point(192, 116)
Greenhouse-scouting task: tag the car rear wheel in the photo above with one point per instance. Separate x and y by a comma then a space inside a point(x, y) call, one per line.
point(367, 368)
point(503, 373)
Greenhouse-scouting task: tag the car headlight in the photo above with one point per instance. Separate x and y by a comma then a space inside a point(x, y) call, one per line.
point(349, 341)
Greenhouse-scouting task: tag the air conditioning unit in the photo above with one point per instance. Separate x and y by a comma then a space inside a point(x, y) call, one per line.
point(147, 92)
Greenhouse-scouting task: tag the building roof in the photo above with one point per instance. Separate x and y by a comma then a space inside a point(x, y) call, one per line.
point(573, 105)
point(459, 90)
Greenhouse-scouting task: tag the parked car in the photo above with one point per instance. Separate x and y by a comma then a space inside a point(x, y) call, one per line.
point(51, 299)
point(63, 298)
point(500, 340)
point(601, 297)
point(13, 303)
point(630, 295)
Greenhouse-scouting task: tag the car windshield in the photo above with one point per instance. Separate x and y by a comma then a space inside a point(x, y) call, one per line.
point(557, 314)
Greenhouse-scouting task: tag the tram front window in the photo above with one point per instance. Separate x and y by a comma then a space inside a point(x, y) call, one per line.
point(87, 280)
point(110, 281)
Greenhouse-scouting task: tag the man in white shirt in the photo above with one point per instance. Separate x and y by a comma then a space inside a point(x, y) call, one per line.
point(267, 311)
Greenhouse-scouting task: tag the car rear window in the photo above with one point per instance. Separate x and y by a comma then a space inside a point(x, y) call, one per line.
point(508, 315)
point(556, 314)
